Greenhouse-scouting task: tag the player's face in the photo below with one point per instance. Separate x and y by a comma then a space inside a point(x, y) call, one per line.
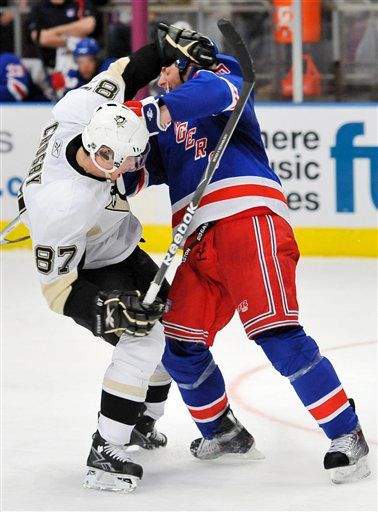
point(105, 158)
point(87, 66)
point(169, 78)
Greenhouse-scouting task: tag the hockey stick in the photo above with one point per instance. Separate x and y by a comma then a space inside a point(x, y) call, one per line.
point(248, 73)
point(10, 227)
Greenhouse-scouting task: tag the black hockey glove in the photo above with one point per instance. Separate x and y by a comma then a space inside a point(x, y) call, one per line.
point(177, 43)
point(118, 311)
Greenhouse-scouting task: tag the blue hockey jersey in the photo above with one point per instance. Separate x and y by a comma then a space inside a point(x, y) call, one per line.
point(200, 109)
point(15, 80)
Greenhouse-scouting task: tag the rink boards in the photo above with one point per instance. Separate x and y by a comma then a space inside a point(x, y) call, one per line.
point(325, 154)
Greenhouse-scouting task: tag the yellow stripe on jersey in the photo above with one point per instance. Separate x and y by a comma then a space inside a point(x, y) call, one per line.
point(57, 292)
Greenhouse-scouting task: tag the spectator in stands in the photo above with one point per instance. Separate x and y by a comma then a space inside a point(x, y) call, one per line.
point(53, 22)
point(87, 60)
point(88, 64)
point(16, 83)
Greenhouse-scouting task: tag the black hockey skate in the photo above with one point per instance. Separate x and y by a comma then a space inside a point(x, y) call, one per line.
point(347, 457)
point(145, 434)
point(230, 439)
point(110, 468)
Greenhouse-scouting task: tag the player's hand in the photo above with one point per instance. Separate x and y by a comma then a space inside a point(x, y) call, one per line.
point(122, 311)
point(157, 118)
point(177, 43)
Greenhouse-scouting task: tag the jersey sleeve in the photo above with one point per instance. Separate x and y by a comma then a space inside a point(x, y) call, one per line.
point(87, 10)
point(78, 105)
point(59, 241)
point(137, 70)
point(34, 16)
point(204, 95)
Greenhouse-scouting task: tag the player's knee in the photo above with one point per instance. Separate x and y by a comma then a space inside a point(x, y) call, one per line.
point(289, 350)
point(140, 355)
point(185, 361)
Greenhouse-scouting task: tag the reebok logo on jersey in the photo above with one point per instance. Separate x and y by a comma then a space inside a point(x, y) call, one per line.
point(57, 146)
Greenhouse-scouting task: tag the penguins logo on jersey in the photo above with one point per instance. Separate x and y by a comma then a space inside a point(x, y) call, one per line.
point(118, 202)
point(120, 120)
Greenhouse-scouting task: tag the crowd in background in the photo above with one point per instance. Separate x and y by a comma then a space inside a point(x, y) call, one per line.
point(66, 42)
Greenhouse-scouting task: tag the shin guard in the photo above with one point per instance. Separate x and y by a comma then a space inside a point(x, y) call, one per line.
point(296, 356)
point(200, 382)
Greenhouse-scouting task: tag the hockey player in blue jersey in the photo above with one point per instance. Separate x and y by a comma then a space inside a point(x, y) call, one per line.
point(16, 83)
point(240, 255)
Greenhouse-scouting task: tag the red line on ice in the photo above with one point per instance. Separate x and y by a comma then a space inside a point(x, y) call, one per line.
point(236, 384)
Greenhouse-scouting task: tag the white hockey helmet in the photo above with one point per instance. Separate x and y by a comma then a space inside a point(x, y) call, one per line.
point(118, 132)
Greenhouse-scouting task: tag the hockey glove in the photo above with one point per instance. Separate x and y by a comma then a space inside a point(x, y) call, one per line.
point(149, 110)
point(119, 311)
point(176, 43)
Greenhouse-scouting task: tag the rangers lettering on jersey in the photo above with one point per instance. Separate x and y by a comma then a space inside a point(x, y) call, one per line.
point(183, 134)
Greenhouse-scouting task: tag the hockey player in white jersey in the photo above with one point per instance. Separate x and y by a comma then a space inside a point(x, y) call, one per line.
point(85, 243)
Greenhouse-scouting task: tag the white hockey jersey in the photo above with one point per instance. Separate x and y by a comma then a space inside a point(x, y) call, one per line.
point(74, 218)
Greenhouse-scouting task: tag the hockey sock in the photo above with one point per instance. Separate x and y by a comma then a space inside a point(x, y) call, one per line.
point(117, 417)
point(155, 400)
point(296, 356)
point(200, 382)
point(207, 403)
point(113, 431)
point(322, 394)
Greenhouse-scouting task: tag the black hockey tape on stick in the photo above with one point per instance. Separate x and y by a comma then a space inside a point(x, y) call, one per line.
point(179, 235)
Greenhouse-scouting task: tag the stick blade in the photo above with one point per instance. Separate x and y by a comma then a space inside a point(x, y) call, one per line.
point(239, 47)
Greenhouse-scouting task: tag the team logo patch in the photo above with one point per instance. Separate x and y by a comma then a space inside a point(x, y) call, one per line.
point(243, 306)
point(118, 201)
point(150, 114)
point(120, 120)
point(57, 147)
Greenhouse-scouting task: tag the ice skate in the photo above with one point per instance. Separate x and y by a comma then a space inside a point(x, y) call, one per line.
point(145, 434)
point(347, 457)
point(230, 439)
point(110, 468)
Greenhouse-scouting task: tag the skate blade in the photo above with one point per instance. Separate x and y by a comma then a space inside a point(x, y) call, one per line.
point(106, 481)
point(352, 473)
point(252, 454)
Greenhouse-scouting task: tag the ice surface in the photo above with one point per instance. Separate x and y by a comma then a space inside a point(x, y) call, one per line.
point(52, 371)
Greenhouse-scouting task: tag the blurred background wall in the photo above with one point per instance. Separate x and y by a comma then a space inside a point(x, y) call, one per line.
point(324, 149)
